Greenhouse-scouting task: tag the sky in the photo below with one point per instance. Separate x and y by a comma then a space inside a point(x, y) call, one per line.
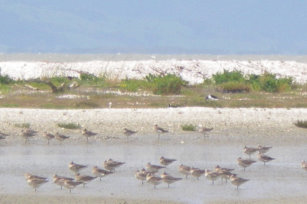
point(154, 26)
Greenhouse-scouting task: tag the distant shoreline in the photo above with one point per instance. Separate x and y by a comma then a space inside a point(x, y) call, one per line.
point(63, 57)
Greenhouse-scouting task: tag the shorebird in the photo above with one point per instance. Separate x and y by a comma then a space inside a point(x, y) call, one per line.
point(71, 184)
point(100, 172)
point(225, 173)
point(212, 97)
point(212, 175)
point(263, 149)
point(61, 137)
point(141, 175)
point(76, 167)
point(196, 172)
point(245, 162)
point(59, 180)
point(48, 136)
point(166, 161)
point(27, 133)
point(154, 180)
point(185, 170)
point(3, 135)
point(35, 181)
point(88, 134)
point(111, 165)
point(264, 158)
point(169, 179)
point(304, 165)
point(250, 150)
point(153, 168)
point(160, 130)
point(84, 178)
point(237, 181)
point(128, 132)
point(204, 131)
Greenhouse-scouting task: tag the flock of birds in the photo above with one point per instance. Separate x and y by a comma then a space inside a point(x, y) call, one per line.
point(150, 173)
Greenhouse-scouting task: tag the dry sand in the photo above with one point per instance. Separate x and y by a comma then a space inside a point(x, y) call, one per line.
point(240, 125)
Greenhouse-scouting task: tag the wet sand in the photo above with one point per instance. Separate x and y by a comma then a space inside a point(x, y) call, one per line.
point(281, 180)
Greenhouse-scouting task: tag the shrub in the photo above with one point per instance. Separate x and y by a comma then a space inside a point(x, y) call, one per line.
point(188, 127)
point(5, 79)
point(168, 84)
point(228, 76)
point(269, 83)
point(235, 87)
point(301, 123)
point(69, 125)
point(91, 79)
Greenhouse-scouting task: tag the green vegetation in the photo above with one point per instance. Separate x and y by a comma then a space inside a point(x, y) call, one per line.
point(188, 127)
point(5, 80)
point(301, 123)
point(22, 125)
point(69, 125)
point(234, 81)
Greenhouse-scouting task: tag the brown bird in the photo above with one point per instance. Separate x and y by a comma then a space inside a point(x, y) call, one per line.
point(264, 158)
point(76, 167)
point(100, 172)
point(111, 165)
point(61, 137)
point(212, 175)
point(71, 184)
point(153, 168)
point(160, 130)
point(128, 132)
point(141, 175)
point(237, 181)
point(263, 149)
point(245, 162)
point(169, 179)
point(304, 165)
point(88, 134)
point(28, 133)
point(205, 130)
point(196, 172)
point(48, 136)
point(185, 170)
point(250, 150)
point(154, 180)
point(166, 161)
point(35, 181)
point(84, 178)
point(60, 180)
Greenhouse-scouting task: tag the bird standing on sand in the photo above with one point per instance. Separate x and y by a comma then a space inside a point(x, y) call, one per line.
point(263, 149)
point(152, 168)
point(185, 170)
point(128, 132)
point(304, 165)
point(166, 161)
point(27, 133)
point(71, 184)
point(3, 135)
point(250, 150)
point(74, 167)
point(154, 180)
point(84, 178)
point(245, 162)
point(169, 179)
point(205, 130)
point(48, 136)
point(237, 181)
point(111, 165)
point(88, 134)
point(35, 181)
point(141, 175)
point(159, 130)
point(264, 158)
point(61, 137)
point(100, 172)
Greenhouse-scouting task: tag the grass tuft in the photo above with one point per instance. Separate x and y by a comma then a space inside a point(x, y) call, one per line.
point(188, 127)
point(22, 125)
point(71, 126)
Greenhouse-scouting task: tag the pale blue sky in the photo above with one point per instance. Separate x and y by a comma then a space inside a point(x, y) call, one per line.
point(154, 26)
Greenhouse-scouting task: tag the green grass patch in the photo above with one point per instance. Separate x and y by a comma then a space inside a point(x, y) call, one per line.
point(71, 126)
point(301, 123)
point(134, 85)
point(86, 104)
point(188, 127)
point(165, 85)
point(22, 125)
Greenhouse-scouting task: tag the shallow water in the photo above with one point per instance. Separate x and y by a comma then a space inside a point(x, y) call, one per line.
point(280, 178)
